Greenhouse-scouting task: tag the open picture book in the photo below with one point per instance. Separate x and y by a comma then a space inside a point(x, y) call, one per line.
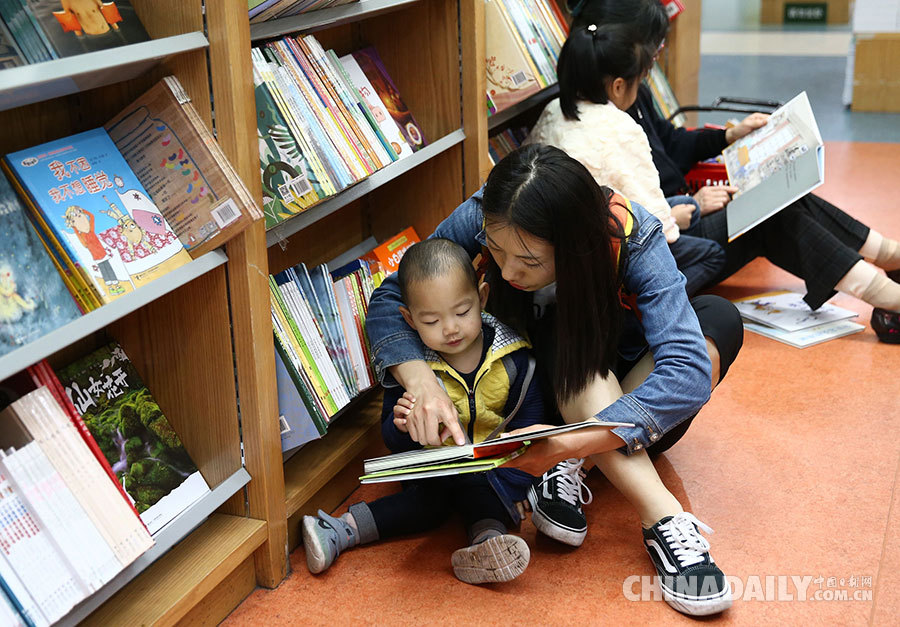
point(774, 165)
point(785, 316)
point(467, 458)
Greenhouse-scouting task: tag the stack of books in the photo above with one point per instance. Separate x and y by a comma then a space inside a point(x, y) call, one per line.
point(663, 97)
point(32, 31)
point(88, 218)
point(324, 122)
point(262, 10)
point(785, 316)
point(523, 43)
point(323, 357)
point(505, 142)
point(90, 470)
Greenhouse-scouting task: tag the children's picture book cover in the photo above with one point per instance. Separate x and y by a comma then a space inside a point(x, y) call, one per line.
point(98, 211)
point(33, 298)
point(788, 311)
point(131, 430)
point(178, 162)
point(77, 26)
point(371, 65)
point(296, 424)
point(289, 183)
point(510, 78)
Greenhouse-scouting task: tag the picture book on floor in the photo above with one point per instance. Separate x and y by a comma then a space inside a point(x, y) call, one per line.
point(180, 165)
point(774, 165)
point(809, 336)
point(33, 298)
point(130, 428)
point(788, 311)
point(95, 213)
point(467, 458)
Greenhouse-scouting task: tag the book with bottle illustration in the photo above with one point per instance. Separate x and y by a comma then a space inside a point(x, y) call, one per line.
point(94, 213)
point(131, 430)
point(785, 316)
point(33, 298)
point(180, 165)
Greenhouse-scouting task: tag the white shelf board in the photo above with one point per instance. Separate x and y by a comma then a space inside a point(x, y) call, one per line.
point(31, 353)
point(51, 79)
point(165, 539)
point(328, 206)
point(324, 18)
point(542, 97)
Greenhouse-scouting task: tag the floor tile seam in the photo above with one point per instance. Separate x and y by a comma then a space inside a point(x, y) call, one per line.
point(885, 542)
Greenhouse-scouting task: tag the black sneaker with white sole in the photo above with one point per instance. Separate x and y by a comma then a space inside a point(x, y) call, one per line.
point(556, 498)
point(690, 580)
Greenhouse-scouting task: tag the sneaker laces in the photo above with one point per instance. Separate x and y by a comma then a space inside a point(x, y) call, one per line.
point(684, 538)
point(570, 484)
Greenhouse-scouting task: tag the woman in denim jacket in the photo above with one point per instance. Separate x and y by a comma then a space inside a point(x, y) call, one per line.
point(598, 314)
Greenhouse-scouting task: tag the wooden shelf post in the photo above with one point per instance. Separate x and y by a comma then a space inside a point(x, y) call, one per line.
point(229, 35)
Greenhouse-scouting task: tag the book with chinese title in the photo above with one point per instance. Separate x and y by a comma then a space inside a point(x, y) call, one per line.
point(131, 430)
point(94, 213)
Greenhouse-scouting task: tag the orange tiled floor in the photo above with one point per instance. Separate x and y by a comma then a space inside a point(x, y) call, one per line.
point(794, 462)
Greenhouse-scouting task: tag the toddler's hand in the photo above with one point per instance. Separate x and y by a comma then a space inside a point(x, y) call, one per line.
point(402, 409)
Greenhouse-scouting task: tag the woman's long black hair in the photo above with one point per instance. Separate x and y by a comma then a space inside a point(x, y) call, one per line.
point(542, 191)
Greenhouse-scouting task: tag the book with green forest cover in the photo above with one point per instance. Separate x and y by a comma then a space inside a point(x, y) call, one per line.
point(131, 430)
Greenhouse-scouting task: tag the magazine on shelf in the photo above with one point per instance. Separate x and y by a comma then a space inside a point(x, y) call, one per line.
point(467, 458)
point(788, 311)
point(774, 165)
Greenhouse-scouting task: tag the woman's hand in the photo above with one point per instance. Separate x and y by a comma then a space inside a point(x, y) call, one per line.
point(712, 198)
point(432, 417)
point(746, 126)
point(544, 453)
point(682, 215)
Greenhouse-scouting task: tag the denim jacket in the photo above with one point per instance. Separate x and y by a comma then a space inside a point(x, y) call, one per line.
point(679, 384)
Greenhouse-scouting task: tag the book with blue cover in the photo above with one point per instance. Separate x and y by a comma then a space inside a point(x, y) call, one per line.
point(33, 297)
point(298, 422)
point(70, 27)
point(96, 213)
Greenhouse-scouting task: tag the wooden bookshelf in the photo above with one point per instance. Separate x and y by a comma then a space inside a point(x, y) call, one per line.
point(190, 342)
point(177, 330)
point(51, 79)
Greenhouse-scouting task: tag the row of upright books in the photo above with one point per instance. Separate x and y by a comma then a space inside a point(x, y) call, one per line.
point(88, 218)
point(262, 10)
point(325, 123)
point(523, 41)
point(32, 31)
point(504, 142)
point(323, 357)
point(663, 97)
point(90, 471)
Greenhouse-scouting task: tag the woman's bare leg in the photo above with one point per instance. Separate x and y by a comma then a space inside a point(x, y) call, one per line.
point(634, 476)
